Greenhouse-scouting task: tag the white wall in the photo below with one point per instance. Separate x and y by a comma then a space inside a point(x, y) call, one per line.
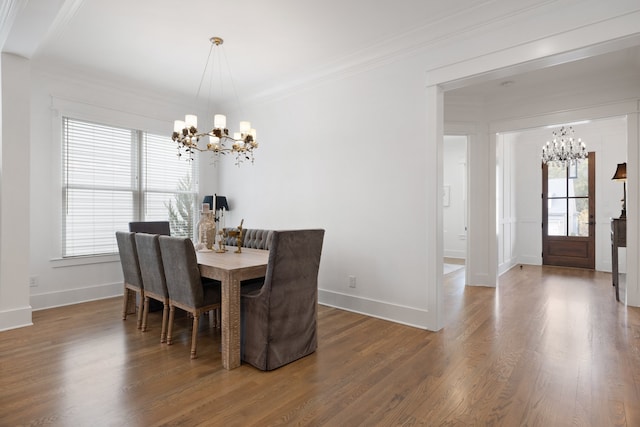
point(347, 156)
point(507, 221)
point(15, 309)
point(455, 180)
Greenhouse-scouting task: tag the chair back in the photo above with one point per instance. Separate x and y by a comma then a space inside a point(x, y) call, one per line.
point(181, 270)
point(151, 265)
point(151, 227)
point(129, 258)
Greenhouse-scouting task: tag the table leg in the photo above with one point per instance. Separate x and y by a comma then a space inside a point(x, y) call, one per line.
point(230, 322)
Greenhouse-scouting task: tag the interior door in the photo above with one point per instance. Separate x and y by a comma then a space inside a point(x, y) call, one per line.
point(568, 214)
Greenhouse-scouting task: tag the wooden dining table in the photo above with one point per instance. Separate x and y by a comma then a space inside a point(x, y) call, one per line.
point(230, 268)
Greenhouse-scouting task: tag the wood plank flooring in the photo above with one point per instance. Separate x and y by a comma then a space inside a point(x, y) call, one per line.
point(549, 347)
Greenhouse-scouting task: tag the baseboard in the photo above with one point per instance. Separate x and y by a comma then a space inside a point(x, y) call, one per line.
point(529, 260)
point(75, 296)
point(506, 266)
point(455, 254)
point(15, 318)
point(409, 316)
point(417, 318)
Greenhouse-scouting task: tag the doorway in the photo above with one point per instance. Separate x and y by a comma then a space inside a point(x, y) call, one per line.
point(454, 203)
point(568, 214)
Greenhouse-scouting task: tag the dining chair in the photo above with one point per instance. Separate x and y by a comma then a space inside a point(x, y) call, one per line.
point(155, 284)
point(279, 318)
point(185, 285)
point(151, 227)
point(131, 272)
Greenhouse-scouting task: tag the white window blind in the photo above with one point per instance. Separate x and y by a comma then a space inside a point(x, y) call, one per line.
point(169, 191)
point(101, 191)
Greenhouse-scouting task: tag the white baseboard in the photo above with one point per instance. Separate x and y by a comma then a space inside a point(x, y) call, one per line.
point(409, 316)
point(530, 260)
point(506, 266)
point(418, 318)
point(15, 318)
point(448, 253)
point(75, 296)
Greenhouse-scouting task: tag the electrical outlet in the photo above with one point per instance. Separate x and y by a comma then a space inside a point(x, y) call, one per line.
point(352, 281)
point(33, 281)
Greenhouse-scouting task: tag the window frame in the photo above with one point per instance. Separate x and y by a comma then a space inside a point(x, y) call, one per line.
point(62, 108)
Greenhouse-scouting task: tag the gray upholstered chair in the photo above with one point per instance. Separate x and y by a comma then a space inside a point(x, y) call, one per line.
point(279, 319)
point(186, 289)
point(155, 284)
point(131, 272)
point(150, 227)
point(252, 238)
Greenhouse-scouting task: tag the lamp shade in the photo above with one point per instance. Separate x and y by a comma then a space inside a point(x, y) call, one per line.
point(621, 172)
point(209, 200)
point(221, 203)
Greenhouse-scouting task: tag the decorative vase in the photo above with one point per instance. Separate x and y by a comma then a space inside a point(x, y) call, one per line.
point(206, 229)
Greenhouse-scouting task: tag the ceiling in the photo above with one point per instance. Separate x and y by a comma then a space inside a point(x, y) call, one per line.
point(268, 44)
point(163, 44)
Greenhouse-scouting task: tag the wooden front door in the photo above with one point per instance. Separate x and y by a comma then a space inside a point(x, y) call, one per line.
point(568, 214)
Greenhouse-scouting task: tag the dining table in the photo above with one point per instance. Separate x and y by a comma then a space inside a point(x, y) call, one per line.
point(230, 268)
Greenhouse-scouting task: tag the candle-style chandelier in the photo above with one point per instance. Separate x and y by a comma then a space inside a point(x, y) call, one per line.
point(564, 150)
point(187, 136)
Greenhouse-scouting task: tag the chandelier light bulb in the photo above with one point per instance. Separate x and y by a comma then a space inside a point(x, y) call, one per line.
point(219, 121)
point(191, 120)
point(245, 127)
point(178, 125)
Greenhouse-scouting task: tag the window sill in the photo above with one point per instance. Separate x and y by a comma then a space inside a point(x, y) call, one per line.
point(84, 260)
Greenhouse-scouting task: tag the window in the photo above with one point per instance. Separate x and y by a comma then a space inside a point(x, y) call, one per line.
point(568, 199)
point(112, 176)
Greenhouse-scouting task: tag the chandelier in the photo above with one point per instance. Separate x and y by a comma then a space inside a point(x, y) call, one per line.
point(187, 136)
point(564, 149)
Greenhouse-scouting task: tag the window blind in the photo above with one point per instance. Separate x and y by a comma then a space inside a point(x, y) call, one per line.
point(169, 192)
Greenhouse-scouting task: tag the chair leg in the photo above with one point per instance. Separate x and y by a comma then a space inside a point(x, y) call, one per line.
point(194, 336)
point(172, 311)
point(165, 314)
point(140, 310)
point(145, 314)
point(125, 303)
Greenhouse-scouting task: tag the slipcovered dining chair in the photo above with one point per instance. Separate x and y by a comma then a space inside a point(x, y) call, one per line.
point(279, 319)
point(155, 284)
point(130, 271)
point(185, 285)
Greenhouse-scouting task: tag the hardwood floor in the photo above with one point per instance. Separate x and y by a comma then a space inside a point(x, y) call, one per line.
point(549, 347)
